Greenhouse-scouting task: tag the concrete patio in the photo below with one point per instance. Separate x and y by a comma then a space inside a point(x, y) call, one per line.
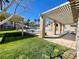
point(67, 40)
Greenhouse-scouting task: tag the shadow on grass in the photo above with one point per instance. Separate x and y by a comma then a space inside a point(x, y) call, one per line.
point(1, 35)
point(9, 37)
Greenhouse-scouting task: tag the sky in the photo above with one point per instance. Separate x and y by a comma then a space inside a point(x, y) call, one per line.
point(36, 7)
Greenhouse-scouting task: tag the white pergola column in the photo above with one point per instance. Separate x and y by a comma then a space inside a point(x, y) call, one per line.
point(54, 28)
point(62, 28)
point(59, 28)
point(77, 39)
point(51, 26)
point(42, 27)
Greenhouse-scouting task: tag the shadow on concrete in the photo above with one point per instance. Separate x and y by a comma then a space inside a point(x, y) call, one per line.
point(68, 36)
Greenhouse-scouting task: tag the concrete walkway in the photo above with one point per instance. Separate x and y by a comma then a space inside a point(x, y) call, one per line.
point(67, 40)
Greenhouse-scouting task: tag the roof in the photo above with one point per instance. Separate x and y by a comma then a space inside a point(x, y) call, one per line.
point(63, 13)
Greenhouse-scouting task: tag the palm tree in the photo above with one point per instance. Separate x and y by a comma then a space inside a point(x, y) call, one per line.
point(35, 20)
point(28, 22)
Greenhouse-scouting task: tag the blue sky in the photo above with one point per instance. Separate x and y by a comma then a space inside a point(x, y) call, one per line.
point(37, 7)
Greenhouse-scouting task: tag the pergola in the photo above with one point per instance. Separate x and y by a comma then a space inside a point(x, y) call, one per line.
point(66, 13)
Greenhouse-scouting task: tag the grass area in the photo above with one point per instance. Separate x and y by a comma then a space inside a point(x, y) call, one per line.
point(1, 38)
point(29, 47)
point(2, 33)
point(9, 31)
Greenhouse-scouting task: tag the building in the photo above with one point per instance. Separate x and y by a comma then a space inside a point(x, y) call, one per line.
point(11, 24)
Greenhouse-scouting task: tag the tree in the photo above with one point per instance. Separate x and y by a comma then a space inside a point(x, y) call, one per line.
point(3, 1)
point(32, 24)
point(18, 4)
point(28, 22)
point(37, 22)
point(6, 1)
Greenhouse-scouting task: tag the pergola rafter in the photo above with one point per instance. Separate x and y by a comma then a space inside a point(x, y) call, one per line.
point(62, 13)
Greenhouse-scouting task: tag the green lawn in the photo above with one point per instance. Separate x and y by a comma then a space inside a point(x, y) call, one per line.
point(3, 32)
point(30, 47)
point(1, 38)
point(9, 31)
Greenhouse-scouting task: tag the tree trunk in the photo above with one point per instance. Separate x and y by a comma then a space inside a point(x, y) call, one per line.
point(1, 4)
point(22, 31)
